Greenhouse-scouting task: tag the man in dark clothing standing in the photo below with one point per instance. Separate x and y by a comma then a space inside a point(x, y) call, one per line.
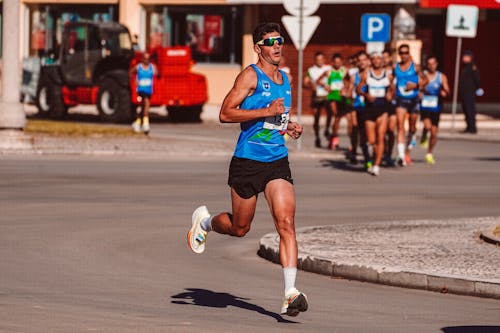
point(468, 87)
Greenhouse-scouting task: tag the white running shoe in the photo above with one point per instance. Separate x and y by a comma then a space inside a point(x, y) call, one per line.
point(146, 128)
point(294, 302)
point(376, 170)
point(136, 126)
point(196, 236)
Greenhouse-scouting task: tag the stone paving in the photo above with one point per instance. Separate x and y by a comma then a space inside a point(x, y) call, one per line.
point(451, 247)
point(426, 254)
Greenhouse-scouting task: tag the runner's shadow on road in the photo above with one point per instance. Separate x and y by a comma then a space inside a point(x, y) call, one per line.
point(471, 329)
point(342, 165)
point(208, 298)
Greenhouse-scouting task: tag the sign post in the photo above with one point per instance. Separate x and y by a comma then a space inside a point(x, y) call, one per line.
point(461, 21)
point(300, 28)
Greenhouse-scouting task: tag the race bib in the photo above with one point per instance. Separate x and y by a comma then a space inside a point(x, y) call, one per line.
point(336, 85)
point(429, 101)
point(144, 82)
point(404, 92)
point(278, 122)
point(377, 92)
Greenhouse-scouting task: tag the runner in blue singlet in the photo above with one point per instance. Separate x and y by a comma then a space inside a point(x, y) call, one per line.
point(260, 101)
point(145, 72)
point(407, 80)
point(431, 103)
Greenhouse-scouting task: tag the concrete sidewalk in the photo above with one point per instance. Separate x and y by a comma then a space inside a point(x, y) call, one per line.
point(438, 255)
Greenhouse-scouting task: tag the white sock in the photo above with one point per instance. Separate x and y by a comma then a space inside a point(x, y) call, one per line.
point(290, 274)
point(401, 150)
point(206, 224)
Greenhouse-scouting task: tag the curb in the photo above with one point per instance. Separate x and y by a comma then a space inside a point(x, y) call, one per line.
point(488, 237)
point(269, 250)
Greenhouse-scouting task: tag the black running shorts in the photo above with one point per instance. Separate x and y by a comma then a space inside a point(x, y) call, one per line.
point(372, 112)
point(432, 115)
point(248, 177)
point(410, 104)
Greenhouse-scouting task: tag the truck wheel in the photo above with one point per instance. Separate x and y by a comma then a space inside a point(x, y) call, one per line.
point(49, 100)
point(188, 114)
point(113, 102)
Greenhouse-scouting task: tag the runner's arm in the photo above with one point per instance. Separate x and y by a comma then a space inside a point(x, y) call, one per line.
point(445, 87)
point(244, 86)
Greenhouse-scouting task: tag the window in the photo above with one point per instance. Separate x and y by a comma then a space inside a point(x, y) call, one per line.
point(212, 32)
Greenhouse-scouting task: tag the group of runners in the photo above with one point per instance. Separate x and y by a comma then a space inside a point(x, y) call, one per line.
point(377, 97)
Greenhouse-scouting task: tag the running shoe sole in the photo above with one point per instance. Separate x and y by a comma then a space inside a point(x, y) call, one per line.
point(198, 215)
point(297, 304)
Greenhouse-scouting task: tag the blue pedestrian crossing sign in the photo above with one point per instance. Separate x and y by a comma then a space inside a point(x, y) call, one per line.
point(375, 28)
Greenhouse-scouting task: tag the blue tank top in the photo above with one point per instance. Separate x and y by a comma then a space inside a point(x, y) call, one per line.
point(403, 77)
point(359, 101)
point(145, 79)
point(262, 139)
point(431, 99)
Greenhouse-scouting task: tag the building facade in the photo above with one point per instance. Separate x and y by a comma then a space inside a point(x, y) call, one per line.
point(219, 31)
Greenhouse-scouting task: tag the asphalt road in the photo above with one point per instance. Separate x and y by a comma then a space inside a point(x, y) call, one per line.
point(91, 244)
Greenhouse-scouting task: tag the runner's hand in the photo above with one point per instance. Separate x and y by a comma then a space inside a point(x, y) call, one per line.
point(294, 130)
point(370, 98)
point(276, 107)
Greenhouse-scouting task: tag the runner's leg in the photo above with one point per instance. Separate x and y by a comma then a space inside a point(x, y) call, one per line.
point(237, 224)
point(280, 196)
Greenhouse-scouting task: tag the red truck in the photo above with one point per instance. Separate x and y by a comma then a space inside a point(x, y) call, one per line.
point(92, 67)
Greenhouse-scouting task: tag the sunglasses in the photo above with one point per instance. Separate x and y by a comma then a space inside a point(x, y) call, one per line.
point(404, 53)
point(271, 40)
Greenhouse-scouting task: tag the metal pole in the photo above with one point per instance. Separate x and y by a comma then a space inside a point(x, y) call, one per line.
point(455, 84)
point(301, 53)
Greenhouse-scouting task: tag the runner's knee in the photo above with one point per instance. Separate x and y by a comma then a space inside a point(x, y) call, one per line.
point(285, 226)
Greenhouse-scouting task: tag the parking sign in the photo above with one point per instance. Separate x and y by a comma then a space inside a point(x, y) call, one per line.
point(375, 28)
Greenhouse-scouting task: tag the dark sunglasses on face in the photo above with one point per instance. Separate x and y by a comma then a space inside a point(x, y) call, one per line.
point(404, 52)
point(271, 40)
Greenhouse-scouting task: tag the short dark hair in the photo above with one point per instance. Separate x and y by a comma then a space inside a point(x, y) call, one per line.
point(360, 53)
point(336, 55)
point(386, 51)
point(265, 28)
point(431, 57)
point(318, 53)
point(403, 46)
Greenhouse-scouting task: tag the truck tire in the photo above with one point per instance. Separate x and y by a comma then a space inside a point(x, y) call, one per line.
point(113, 102)
point(188, 114)
point(49, 100)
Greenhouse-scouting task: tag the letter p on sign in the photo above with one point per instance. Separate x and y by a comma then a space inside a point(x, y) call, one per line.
point(375, 28)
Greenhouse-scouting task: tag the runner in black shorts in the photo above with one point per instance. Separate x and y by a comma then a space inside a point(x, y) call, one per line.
point(390, 138)
point(432, 103)
point(260, 100)
point(377, 96)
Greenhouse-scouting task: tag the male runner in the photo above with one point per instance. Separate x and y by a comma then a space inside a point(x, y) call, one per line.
point(260, 100)
point(431, 102)
point(377, 96)
point(319, 93)
point(145, 72)
point(391, 122)
point(358, 104)
point(407, 79)
point(337, 95)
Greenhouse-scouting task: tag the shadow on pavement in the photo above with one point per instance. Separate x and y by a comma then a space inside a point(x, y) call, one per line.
point(342, 165)
point(489, 159)
point(203, 297)
point(471, 329)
